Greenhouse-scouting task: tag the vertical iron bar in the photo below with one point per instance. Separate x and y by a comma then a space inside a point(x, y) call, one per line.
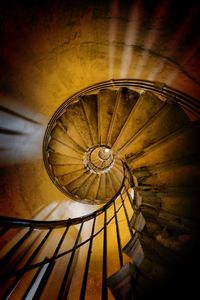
point(12, 286)
point(4, 230)
point(84, 283)
point(118, 237)
point(130, 199)
point(9, 254)
point(49, 269)
point(64, 289)
point(33, 281)
point(126, 214)
point(104, 273)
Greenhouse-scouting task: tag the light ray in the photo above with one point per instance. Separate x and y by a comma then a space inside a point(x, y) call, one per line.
point(114, 12)
point(130, 38)
point(153, 35)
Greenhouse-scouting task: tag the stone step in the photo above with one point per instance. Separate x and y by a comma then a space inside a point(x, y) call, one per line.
point(90, 106)
point(125, 101)
point(65, 180)
point(178, 144)
point(106, 104)
point(61, 159)
point(61, 148)
point(101, 193)
point(168, 120)
point(93, 190)
point(66, 169)
point(146, 107)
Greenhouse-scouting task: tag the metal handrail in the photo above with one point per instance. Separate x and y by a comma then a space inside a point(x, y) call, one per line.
point(34, 224)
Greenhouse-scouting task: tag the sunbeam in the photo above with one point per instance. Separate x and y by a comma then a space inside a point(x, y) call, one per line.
point(21, 133)
point(153, 35)
point(114, 12)
point(130, 38)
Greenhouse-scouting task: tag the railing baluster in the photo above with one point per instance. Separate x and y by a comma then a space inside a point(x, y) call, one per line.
point(130, 199)
point(49, 269)
point(118, 237)
point(64, 289)
point(84, 283)
point(9, 254)
point(13, 285)
point(126, 214)
point(4, 230)
point(104, 273)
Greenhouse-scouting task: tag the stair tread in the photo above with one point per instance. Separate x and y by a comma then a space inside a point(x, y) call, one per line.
point(60, 134)
point(181, 143)
point(91, 111)
point(66, 169)
point(61, 148)
point(169, 120)
point(126, 99)
point(147, 105)
point(106, 103)
point(60, 159)
point(68, 178)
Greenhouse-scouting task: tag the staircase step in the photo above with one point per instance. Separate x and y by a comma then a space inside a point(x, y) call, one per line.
point(116, 184)
point(68, 178)
point(75, 184)
point(92, 193)
point(60, 134)
point(146, 107)
point(90, 106)
point(178, 144)
point(170, 119)
point(60, 159)
point(110, 192)
point(126, 99)
point(101, 194)
point(106, 104)
point(66, 169)
point(83, 189)
point(72, 130)
point(61, 148)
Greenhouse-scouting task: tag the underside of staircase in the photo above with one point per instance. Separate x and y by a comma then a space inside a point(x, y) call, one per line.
point(132, 151)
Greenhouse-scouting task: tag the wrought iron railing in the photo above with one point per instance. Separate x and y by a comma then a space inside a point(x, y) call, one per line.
point(20, 259)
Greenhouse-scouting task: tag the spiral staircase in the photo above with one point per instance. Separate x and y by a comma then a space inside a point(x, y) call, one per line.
point(132, 148)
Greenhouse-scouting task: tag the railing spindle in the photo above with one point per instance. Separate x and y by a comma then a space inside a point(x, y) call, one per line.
point(13, 285)
point(104, 273)
point(49, 269)
point(126, 214)
point(118, 236)
point(84, 283)
point(64, 289)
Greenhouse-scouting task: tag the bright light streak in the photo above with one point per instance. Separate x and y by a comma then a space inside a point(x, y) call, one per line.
point(114, 12)
point(130, 38)
point(153, 35)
